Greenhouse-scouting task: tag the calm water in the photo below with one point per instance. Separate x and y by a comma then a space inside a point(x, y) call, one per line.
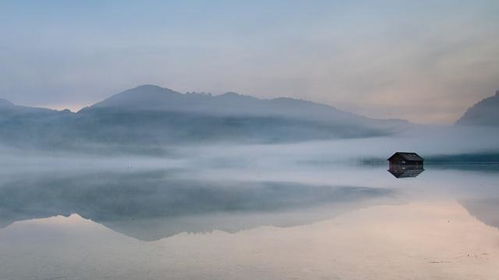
point(305, 220)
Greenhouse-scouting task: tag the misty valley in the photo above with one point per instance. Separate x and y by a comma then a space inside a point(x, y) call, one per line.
point(156, 184)
point(249, 140)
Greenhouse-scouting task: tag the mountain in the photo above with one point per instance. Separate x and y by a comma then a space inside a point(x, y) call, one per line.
point(154, 115)
point(485, 112)
point(155, 98)
point(5, 103)
point(23, 126)
point(10, 110)
point(148, 118)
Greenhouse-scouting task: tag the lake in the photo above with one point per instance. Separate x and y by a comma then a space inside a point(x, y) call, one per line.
point(244, 216)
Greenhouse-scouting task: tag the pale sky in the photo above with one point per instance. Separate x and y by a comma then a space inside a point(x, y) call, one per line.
point(425, 61)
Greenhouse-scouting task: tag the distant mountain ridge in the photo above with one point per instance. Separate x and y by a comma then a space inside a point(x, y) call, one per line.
point(150, 116)
point(11, 113)
point(485, 112)
point(151, 97)
point(5, 103)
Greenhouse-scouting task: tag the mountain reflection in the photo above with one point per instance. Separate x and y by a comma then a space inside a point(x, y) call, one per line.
point(154, 205)
point(484, 209)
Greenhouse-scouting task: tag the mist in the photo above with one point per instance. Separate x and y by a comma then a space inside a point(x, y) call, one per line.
point(249, 139)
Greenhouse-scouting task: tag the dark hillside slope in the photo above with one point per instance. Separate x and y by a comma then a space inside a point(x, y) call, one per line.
point(485, 113)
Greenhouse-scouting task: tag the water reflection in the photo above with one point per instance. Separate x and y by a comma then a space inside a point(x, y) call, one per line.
point(405, 171)
point(392, 229)
point(484, 209)
point(437, 240)
point(154, 205)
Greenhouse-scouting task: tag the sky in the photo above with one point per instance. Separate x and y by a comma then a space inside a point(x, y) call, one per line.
point(424, 61)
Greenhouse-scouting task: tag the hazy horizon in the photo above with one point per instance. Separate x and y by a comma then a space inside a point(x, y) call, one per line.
point(77, 107)
point(425, 62)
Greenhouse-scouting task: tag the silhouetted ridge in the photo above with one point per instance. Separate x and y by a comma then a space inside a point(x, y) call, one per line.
point(141, 97)
point(5, 103)
point(485, 112)
point(155, 98)
point(147, 118)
